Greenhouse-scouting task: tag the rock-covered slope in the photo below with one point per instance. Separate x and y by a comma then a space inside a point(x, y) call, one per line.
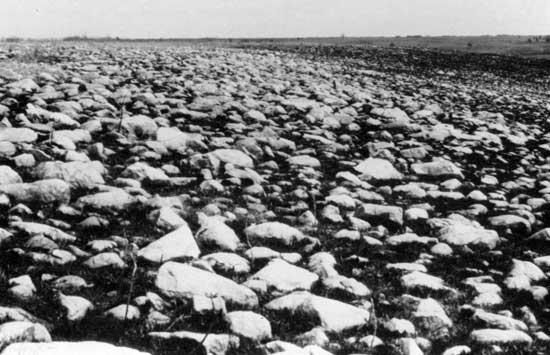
point(174, 199)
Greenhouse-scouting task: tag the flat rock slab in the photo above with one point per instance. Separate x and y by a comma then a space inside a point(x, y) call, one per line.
point(281, 277)
point(458, 230)
point(499, 336)
point(498, 321)
point(174, 245)
point(437, 169)
point(421, 280)
point(333, 315)
point(115, 199)
point(277, 233)
point(35, 229)
point(143, 172)
point(17, 135)
point(378, 170)
point(390, 215)
point(69, 348)
point(231, 156)
point(41, 191)
point(182, 280)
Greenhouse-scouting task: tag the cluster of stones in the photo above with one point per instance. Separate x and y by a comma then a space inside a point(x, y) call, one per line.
point(253, 201)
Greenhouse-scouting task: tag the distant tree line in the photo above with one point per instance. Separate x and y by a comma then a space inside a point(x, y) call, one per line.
point(538, 39)
point(12, 39)
point(86, 38)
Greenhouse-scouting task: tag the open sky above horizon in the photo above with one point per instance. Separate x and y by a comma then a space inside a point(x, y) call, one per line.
point(271, 18)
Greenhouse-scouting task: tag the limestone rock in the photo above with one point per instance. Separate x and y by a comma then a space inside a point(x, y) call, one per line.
point(501, 337)
point(378, 170)
point(334, 316)
point(69, 348)
point(214, 232)
point(281, 277)
point(177, 244)
point(249, 325)
point(181, 280)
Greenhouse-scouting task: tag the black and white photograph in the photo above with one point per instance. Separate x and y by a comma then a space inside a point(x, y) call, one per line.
point(274, 177)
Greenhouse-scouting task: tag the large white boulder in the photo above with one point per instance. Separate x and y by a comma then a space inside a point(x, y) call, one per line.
point(333, 315)
point(69, 348)
point(174, 245)
point(182, 280)
point(378, 170)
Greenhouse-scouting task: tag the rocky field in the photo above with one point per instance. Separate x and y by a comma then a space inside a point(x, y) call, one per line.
point(292, 200)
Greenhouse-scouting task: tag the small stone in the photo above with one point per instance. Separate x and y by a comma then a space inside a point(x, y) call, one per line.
point(416, 214)
point(76, 307)
point(214, 232)
point(316, 336)
point(115, 199)
point(278, 234)
point(458, 350)
point(281, 277)
point(437, 169)
point(144, 173)
point(9, 176)
point(417, 279)
point(391, 215)
point(431, 316)
point(249, 325)
point(166, 218)
point(441, 249)
point(304, 161)
point(374, 169)
point(371, 342)
point(123, 312)
point(501, 337)
point(228, 263)
point(331, 214)
point(409, 347)
point(108, 259)
point(70, 283)
point(400, 326)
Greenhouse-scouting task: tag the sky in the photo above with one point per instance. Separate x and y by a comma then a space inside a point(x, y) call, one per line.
point(271, 18)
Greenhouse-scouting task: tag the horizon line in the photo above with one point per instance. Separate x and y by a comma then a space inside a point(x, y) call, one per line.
point(118, 38)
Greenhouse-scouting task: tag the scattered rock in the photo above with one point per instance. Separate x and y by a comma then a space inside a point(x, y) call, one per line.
point(334, 316)
point(177, 244)
point(181, 280)
point(67, 348)
point(249, 325)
